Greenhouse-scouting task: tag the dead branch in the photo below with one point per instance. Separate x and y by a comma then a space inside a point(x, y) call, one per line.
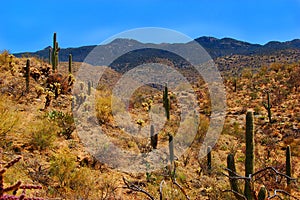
point(283, 192)
point(181, 188)
point(160, 189)
point(136, 188)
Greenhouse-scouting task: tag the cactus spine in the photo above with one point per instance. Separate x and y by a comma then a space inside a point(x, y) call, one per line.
point(55, 50)
point(153, 137)
point(70, 63)
point(166, 102)
point(231, 173)
point(27, 74)
point(268, 107)
point(249, 162)
point(288, 162)
point(209, 158)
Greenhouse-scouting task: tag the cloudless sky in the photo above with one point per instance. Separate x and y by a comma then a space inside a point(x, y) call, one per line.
point(29, 25)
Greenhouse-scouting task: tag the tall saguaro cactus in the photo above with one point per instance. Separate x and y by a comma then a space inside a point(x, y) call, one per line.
point(249, 162)
point(55, 50)
point(27, 74)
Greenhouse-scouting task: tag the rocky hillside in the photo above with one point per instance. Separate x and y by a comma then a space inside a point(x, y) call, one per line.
point(36, 123)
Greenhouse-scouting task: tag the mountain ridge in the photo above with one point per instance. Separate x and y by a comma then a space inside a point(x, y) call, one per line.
point(214, 46)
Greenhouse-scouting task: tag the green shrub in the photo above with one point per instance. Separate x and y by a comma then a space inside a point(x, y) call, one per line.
point(43, 134)
point(62, 166)
point(8, 119)
point(63, 120)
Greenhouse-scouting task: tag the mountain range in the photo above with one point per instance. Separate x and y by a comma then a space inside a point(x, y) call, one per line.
point(215, 47)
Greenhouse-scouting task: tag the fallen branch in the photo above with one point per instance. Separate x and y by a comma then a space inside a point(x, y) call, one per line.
point(136, 188)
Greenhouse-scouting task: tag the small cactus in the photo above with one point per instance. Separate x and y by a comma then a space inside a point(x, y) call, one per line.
point(153, 137)
point(249, 162)
point(89, 88)
point(288, 163)
point(70, 63)
point(268, 107)
point(27, 74)
point(235, 84)
point(17, 186)
point(263, 193)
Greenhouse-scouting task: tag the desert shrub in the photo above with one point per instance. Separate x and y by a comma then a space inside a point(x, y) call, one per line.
point(42, 134)
point(4, 57)
point(63, 120)
point(8, 119)
point(103, 110)
point(104, 107)
point(62, 166)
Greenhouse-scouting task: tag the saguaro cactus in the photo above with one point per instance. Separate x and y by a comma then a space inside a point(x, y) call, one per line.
point(70, 63)
point(171, 148)
point(268, 107)
point(166, 102)
point(249, 162)
point(288, 163)
point(89, 88)
point(209, 158)
point(27, 74)
point(55, 50)
point(231, 173)
point(153, 137)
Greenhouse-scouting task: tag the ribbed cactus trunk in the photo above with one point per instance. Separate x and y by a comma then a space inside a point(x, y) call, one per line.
point(70, 63)
point(288, 164)
point(231, 173)
point(27, 74)
point(249, 162)
point(153, 137)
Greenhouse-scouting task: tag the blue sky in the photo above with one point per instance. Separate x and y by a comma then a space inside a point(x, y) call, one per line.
point(29, 25)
